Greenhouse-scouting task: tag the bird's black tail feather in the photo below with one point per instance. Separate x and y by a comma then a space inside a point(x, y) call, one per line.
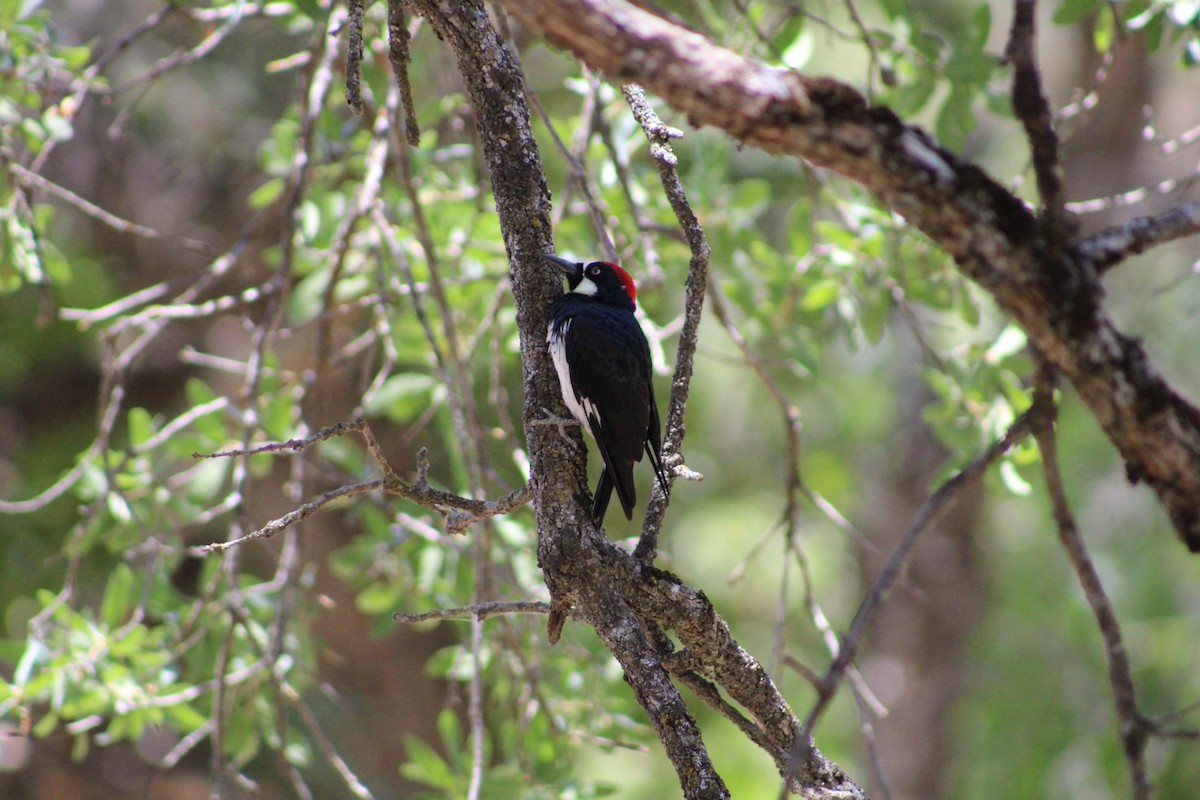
point(625, 493)
point(656, 463)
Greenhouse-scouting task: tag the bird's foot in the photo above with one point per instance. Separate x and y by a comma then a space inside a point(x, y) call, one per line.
point(559, 422)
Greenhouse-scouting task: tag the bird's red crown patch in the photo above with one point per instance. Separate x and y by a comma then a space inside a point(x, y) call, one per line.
point(630, 286)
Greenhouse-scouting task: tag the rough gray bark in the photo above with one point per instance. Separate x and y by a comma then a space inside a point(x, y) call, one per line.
point(596, 582)
point(1048, 287)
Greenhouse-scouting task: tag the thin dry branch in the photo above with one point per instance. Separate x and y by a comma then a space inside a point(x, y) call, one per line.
point(1031, 107)
point(660, 136)
point(662, 599)
point(181, 58)
point(398, 57)
point(460, 512)
point(32, 179)
point(1111, 246)
point(929, 513)
point(354, 54)
point(1132, 726)
point(476, 611)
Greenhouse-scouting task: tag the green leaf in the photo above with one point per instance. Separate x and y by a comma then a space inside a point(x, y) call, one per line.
point(34, 650)
point(874, 315)
point(75, 58)
point(1153, 30)
point(1010, 342)
point(307, 296)
point(1184, 12)
point(956, 120)
point(893, 8)
point(242, 739)
point(266, 194)
point(980, 27)
point(1191, 53)
point(46, 725)
point(402, 397)
point(379, 597)
point(821, 294)
point(970, 67)
point(910, 97)
point(800, 51)
point(1105, 29)
point(1012, 479)
point(928, 44)
point(118, 508)
point(425, 766)
point(278, 417)
point(450, 731)
point(183, 717)
point(1071, 11)
point(310, 8)
point(207, 479)
point(141, 426)
point(120, 595)
point(297, 751)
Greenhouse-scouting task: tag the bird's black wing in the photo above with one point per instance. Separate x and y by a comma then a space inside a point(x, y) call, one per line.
point(610, 373)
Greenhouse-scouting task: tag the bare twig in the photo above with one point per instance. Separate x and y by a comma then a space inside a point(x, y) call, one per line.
point(460, 512)
point(398, 57)
point(181, 58)
point(356, 786)
point(55, 490)
point(300, 514)
point(94, 211)
point(1089, 100)
point(1111, 246)
point(1031, 107)
point(577, 174)
point(476, 611)
point(1132, 725)
point(712, 698)
point(660, 136)
point(1135, 196)
point(929, 513)
point(354, 54)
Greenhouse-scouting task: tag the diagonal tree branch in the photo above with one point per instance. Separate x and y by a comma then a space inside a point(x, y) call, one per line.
point(1030, 105)
point(660, 136)
point(1053, 293)
point(1111, 246)
point(1133, 725)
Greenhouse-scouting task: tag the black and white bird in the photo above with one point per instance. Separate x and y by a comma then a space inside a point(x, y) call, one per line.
point(603, 364)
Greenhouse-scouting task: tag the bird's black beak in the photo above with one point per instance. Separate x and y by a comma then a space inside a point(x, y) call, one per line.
point(568, 267)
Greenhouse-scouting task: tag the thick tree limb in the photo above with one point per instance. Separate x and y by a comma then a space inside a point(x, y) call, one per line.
point(1052, 293)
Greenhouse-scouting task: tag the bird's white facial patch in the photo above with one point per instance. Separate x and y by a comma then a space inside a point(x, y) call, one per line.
point(586, 286)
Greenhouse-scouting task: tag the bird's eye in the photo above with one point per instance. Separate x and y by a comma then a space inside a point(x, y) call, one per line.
point(593, 272)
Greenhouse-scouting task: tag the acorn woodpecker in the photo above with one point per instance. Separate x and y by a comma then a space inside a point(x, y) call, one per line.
point(603, 364)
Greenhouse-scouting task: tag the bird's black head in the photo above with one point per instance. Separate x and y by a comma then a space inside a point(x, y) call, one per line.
point(600, 280)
